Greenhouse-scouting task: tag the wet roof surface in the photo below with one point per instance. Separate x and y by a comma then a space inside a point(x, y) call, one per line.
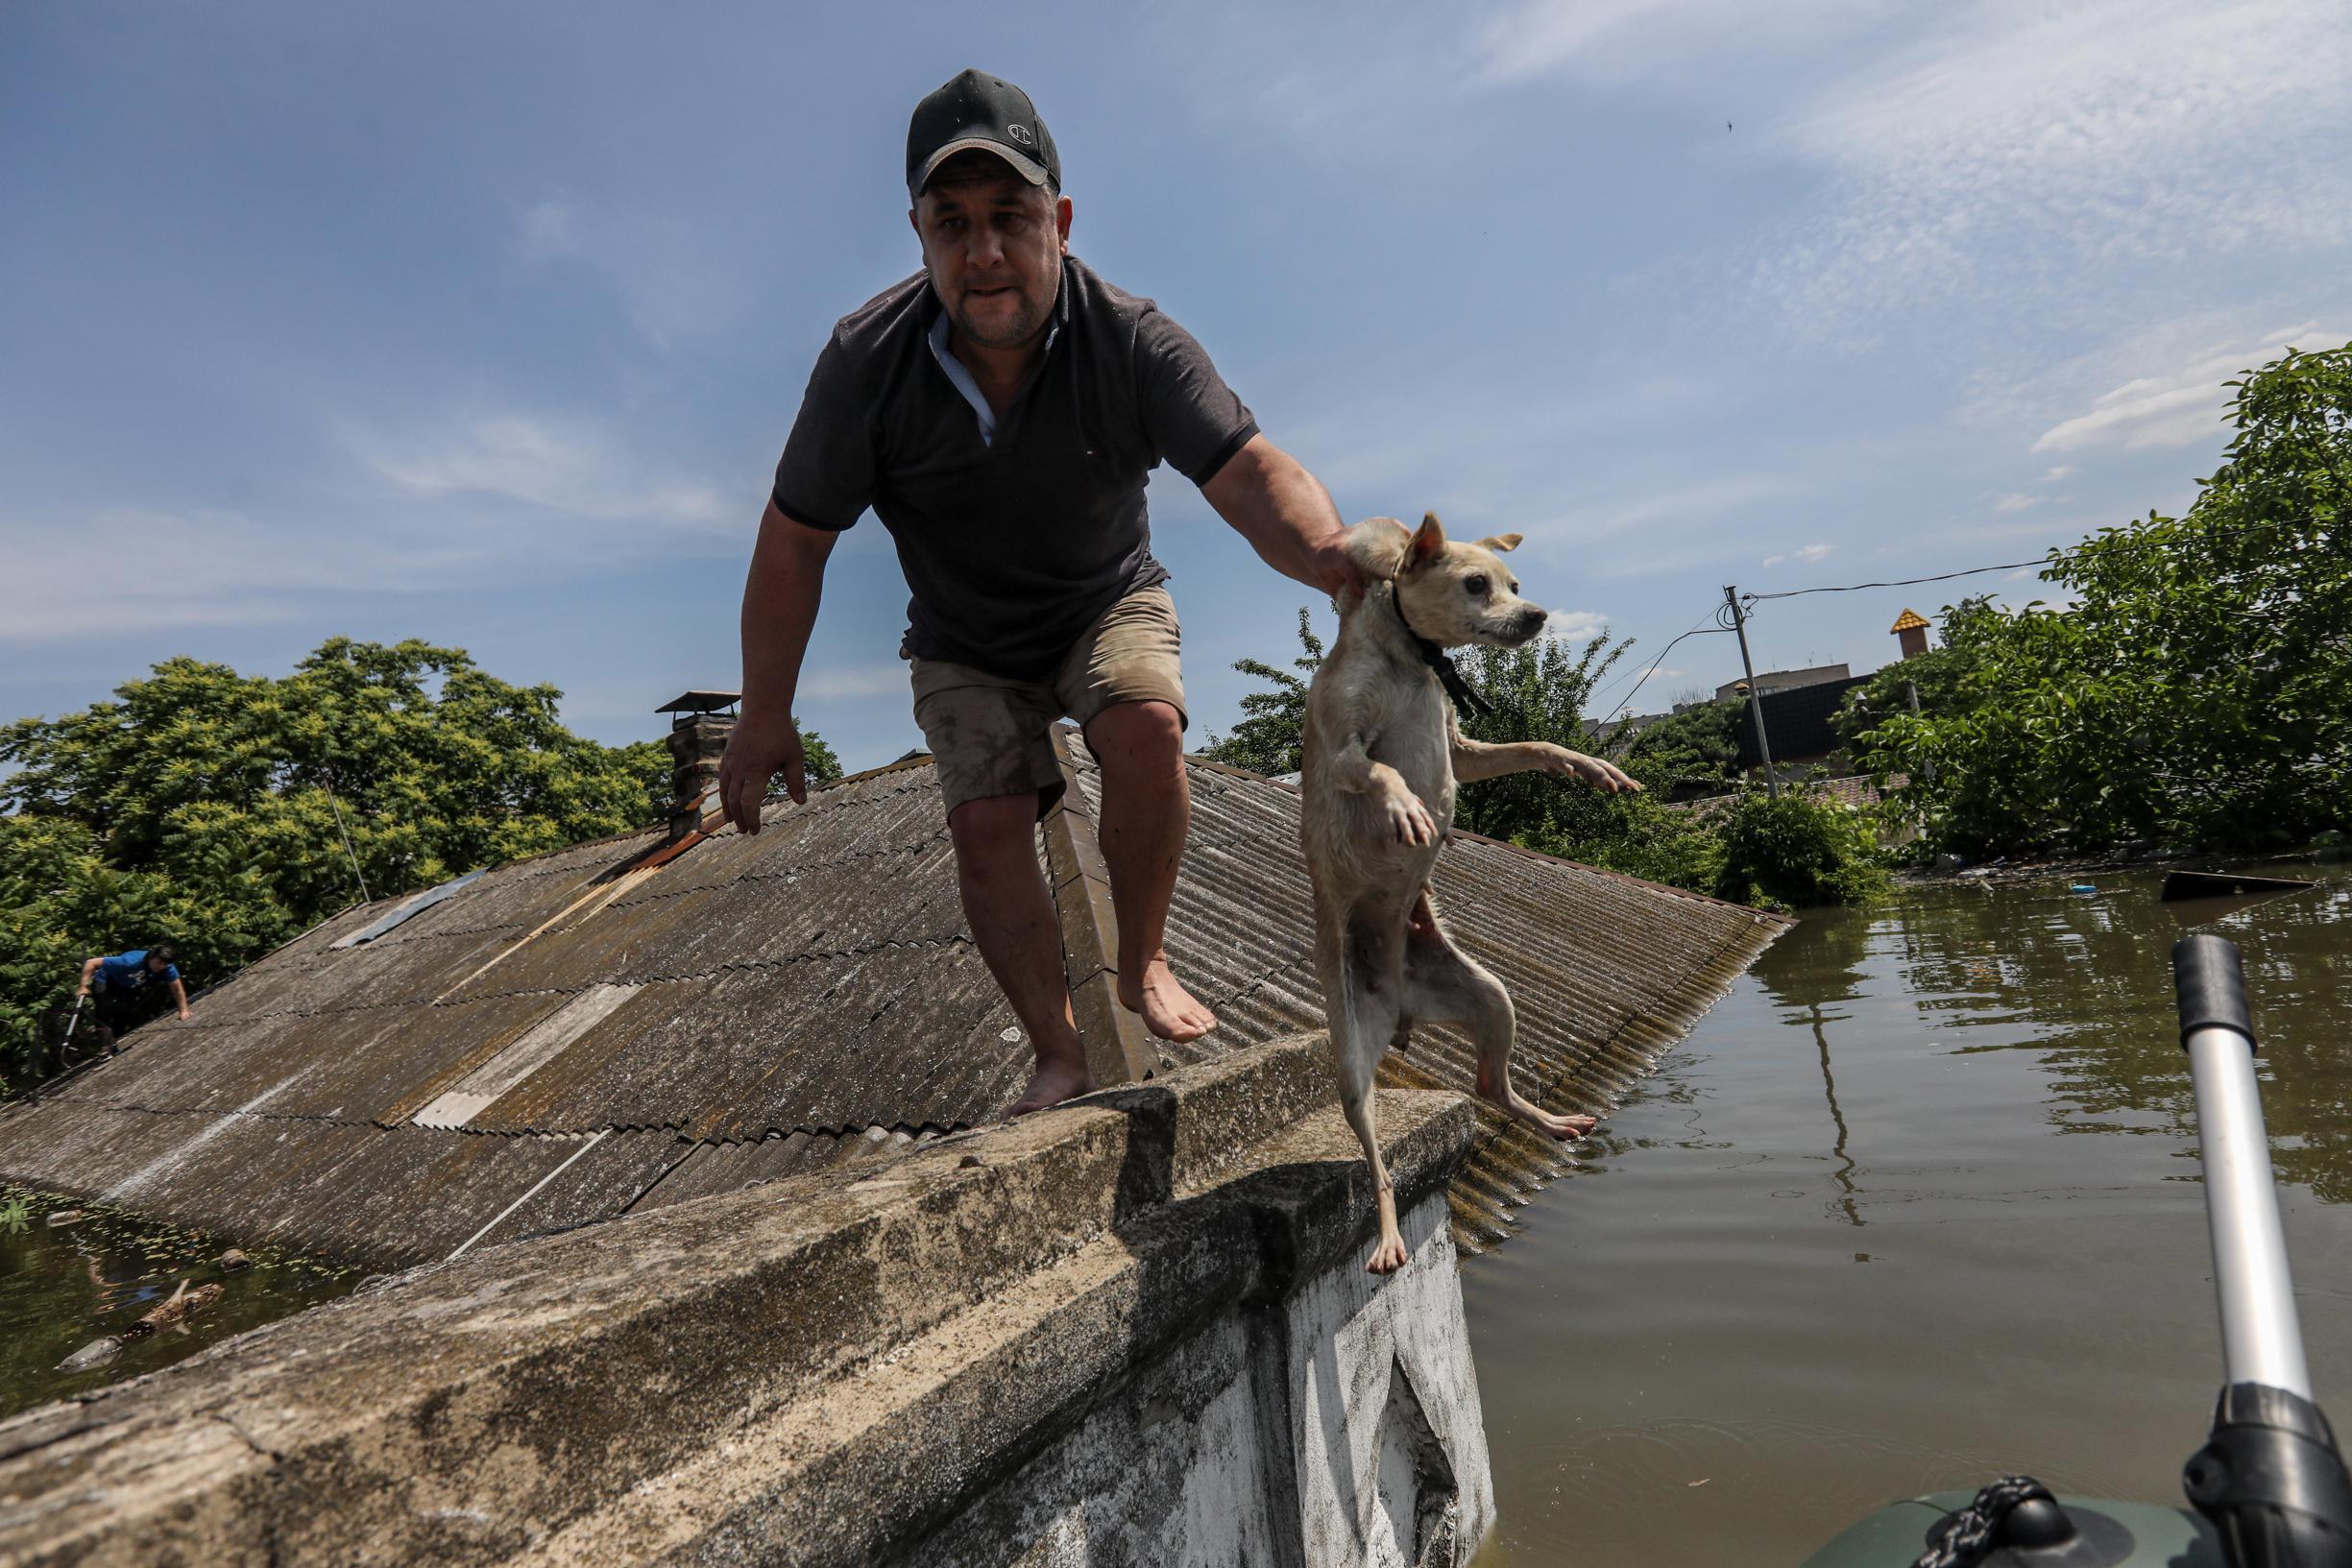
point(566, 1038)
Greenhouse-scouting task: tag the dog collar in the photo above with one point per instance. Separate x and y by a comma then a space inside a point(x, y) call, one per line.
point(1467, 700)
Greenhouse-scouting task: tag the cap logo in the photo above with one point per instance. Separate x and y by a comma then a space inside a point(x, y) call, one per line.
point(1020, 133)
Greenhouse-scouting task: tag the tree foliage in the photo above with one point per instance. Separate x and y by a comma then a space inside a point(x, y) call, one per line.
point(1799, 852)
point(212, 809)
point(1696, 748)
point(1939, 676)
point(1267, 739)
point(2192, 693)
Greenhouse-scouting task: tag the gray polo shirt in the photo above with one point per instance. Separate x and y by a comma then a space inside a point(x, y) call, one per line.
point(1013, 540)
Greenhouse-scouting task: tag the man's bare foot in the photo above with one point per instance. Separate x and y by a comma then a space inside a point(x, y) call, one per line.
point(1053, 1083)
point(1167, 1009)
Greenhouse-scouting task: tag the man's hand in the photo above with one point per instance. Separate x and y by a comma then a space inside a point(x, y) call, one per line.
point(761, 745)
point(1335, 571)
point(83, 990)
point(185, 1015)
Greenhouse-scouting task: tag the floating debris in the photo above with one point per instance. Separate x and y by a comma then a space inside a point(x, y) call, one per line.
point(63, 1217)
point(2082, 887)
point(173, 1312)
point(97, 1353)
point(235, 1262)
point(2180, 885)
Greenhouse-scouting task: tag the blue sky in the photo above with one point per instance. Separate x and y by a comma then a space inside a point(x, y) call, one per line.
point(485, 323)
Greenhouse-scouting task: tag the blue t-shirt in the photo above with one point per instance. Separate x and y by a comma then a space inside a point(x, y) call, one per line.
point(128, 971)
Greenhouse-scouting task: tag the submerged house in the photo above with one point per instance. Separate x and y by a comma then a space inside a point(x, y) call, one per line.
point(1135, 1328)
point(626, 1025)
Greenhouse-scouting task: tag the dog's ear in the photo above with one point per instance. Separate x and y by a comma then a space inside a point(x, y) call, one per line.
point(1378, 547)
point(1500, 542)
point(1428, 542)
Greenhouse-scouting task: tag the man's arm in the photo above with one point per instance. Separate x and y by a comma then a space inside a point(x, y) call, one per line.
point(179, 995)
point(780, 600)
point(1286, 514)
point(89, 971)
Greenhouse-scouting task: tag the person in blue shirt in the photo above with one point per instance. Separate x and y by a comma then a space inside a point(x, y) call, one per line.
point(127, 985)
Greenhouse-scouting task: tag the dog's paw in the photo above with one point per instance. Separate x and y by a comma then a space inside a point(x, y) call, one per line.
point(1598, 772)
point(1409, 821)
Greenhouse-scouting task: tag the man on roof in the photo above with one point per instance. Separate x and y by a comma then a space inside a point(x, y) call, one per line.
point(1000, 411)
point(130, 987)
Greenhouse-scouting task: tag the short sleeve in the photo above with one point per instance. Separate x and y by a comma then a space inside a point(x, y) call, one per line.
point(826, 476)
point(1192, 417)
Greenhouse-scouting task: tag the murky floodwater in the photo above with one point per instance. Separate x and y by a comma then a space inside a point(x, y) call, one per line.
point(1916, 1205)
point(64, 1286)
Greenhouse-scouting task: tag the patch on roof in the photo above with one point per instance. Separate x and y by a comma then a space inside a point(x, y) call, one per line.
point(409, 910)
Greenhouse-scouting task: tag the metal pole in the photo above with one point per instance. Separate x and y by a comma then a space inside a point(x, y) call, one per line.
point(1910, 690)
point(364, 896)
point(1756, 698)
point(2262, 1341)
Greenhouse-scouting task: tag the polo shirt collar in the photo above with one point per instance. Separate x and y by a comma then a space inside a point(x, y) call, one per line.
point(961, 377)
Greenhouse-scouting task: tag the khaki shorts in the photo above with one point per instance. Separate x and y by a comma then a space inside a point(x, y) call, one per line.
point(989, 734)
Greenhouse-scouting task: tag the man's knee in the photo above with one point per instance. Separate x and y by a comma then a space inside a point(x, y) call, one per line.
point(1137, 736)
point(993, 834)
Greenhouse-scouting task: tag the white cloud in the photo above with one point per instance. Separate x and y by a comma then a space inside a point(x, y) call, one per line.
point(2015, 503)
point(567, 467)
point(545, 233)
point(1806, 554)
point(1575, 627)
point(204, 568)
point(2032, 153)
point(2061, 471)
point(2177, 407)
point(672, 282)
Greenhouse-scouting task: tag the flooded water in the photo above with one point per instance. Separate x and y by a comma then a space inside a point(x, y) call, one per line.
point(1916, 1205)
point(64, 1286)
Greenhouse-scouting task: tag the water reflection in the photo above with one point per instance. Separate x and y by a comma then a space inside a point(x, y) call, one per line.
point(2085, 982)
point(1988, 1078)
point(98, 1270)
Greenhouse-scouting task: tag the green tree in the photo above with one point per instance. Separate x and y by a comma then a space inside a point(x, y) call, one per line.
point(1696, 747)
point(212, 808)
point(1939, 676)
point(1799, 852)
point(2192, 693)
point(1268, 737)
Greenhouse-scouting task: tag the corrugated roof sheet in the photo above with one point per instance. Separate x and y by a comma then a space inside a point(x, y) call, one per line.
point(605, 1028)
point(1606, 971)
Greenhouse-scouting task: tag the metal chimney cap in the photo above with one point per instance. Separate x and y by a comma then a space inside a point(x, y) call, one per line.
point(701, 702)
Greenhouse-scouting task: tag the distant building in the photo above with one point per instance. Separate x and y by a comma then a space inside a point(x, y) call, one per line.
point(1785, 680)
point(1798, 705)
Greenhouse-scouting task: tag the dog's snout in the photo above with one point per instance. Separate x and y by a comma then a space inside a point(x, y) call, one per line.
point(1531, 621)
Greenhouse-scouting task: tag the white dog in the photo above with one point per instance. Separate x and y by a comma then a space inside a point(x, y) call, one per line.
point(1382, 754)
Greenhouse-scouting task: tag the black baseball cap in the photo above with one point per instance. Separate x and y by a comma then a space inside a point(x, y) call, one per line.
point(984, 112)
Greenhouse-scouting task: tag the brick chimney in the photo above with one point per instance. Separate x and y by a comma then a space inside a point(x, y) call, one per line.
point(697, 739)
point(1910, 628)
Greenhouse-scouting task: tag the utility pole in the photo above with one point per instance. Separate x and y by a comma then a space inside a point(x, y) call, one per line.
point(1910, 690)
point(1756, 698)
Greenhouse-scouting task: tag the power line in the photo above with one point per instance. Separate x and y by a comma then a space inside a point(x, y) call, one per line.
point(1900, 582)
point(1723, 624)
point(2055, 551)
